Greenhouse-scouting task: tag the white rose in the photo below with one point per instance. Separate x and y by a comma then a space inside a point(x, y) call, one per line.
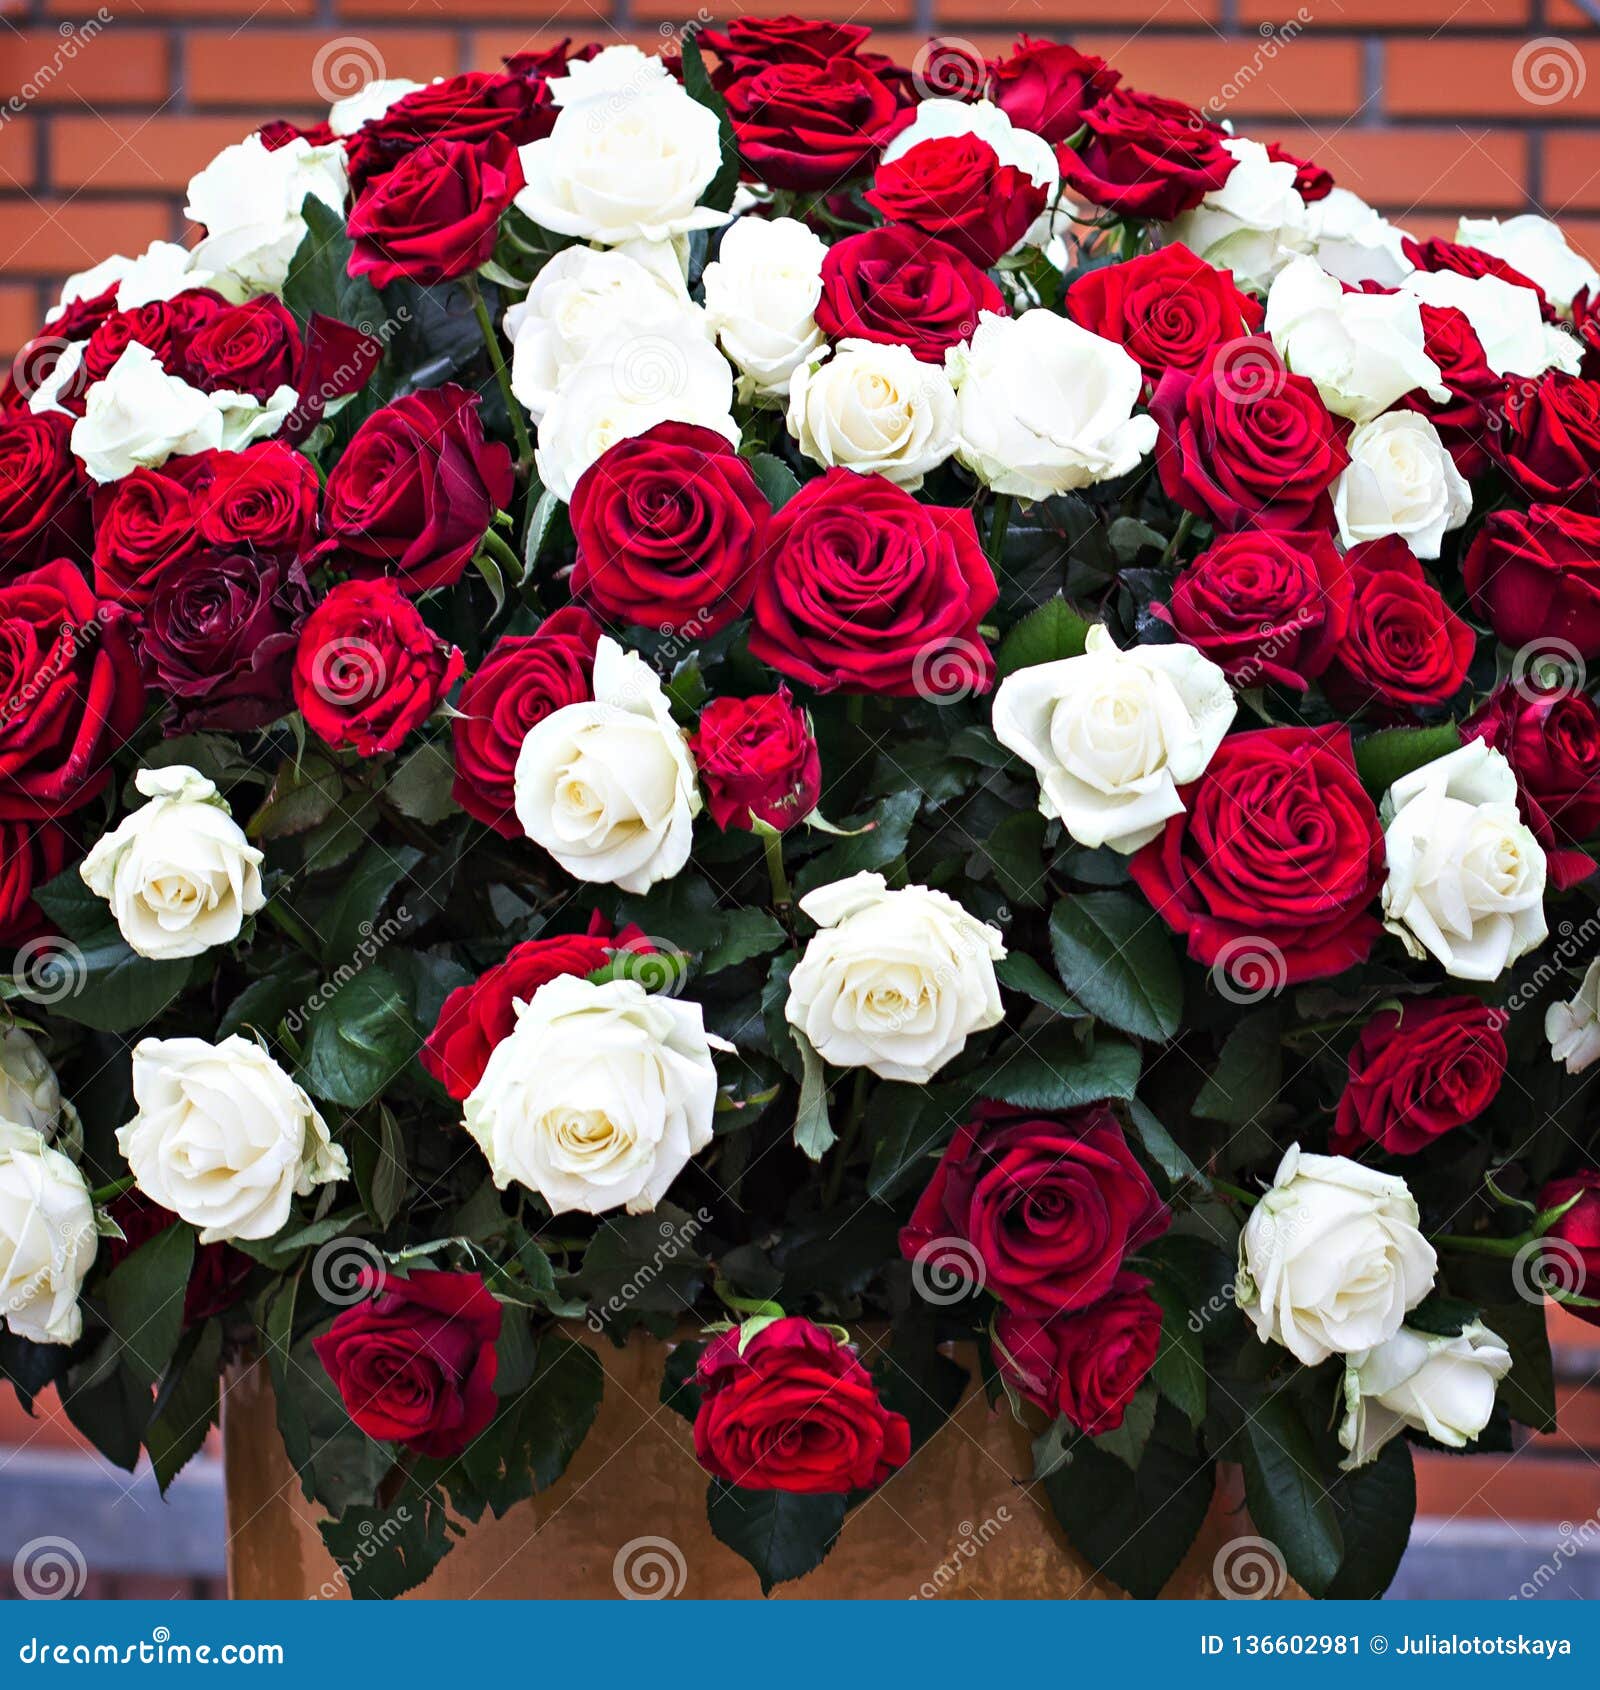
point(249, 199)
point(761, 295)
point(1331, 1260)
point(607, 787)
point(1351, 241)
point(1466, 876)
point(223, 1137)
point(582, 299)
point(30, 1093)
point(178, 872)
point(139, 416)
point(1253, 224)
point(48, 1239)
point(627, 384)
point(369, 101)
point(1113, 734)
point(1044, 406)
point(163, 269)
point(894, 982)
point(1515, 338)
point(875, 409)
point(1573, 1027)
point(1443, 1386)
point(1536, 248)
point(243, 419)
point(619, 70)
point(598, 1097)
point(1400, 480)
point(1362, 350)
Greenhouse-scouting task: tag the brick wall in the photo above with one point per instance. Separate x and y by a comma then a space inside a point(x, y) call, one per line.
point(1426, 107)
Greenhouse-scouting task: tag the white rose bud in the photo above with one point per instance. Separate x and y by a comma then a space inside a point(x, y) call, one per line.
point(1253, 224)
point(30, 1093)
point(1536, 248)
point(598, 1097)
point(138, 416)
point(1331, 1259)
point(1573, 1027)
point(224, 1137)
point(875, 409)
point(1466, 875)
point(178, 872)
point(1113, 734)
point(1441, 1386)
point(1400, 480)
point(607, 787)
point(48, 1239)
point(894, 982)
point(761, 295)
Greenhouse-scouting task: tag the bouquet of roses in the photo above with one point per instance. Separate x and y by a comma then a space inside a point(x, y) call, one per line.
point(829, 710)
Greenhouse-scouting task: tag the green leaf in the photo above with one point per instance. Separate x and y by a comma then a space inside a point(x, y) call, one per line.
point(1180, 1370)
point(302, 797)
point(362, 1035)
point(265, 1002)
point(319, 276)
point(813, 1131)
point(745, 933)
point(1129, 1440)
point(1376, 1506)
point(1382, 758)
point(541, 523)
point(913, 1124)
point(719, 194)
point(1162, 1148)
point(645, 1264)
point(1056, 1070)
point(1014, 853)
point(144, 1301)
point(1020, 973)
point(384, 1552)
point(1286, 1487)
point(352, 922)
point(875, 849)
point(560, 1405)
point(1053, 631)
point(1248, 1074)
point(776, 480)
point(1529, 1389)
point(1116, 959)
point(420, 787)
point(380, 1167)
point(782, 1534)
point(187, 1405)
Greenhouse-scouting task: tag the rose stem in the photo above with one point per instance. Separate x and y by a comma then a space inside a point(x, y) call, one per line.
point(492, 341)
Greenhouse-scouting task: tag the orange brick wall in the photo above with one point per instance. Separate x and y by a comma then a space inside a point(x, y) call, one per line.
point(1426, 107)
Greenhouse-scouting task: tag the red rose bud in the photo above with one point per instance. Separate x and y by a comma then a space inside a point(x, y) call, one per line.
point(417, 1363)
point(1549, 439)
point(1418, 1072)
point(253, 348)
point(263, 500)
point(757, 759)
point(44, 495)
point(1145, 157)
point(1535, 577)
point(1571, 1254)
point(1312, 182)
point(794, 1411)
point(1047, 88)
point(808, 125)
point(1088, 1365)
point(143, 524)
point(368, 670)
point(956, 188)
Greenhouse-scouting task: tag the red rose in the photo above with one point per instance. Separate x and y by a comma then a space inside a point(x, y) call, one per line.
point(1404, 646)
point(435, 215)
point(276, 133)
point(1264, 605)
point(44, 497)
point(807, 125)
point(1047, 88)
point(36, 362)
point(217, 1277)
point(1418, 1071)
point(757, 758)
point(337, 361)
point(793, 1410)
point(1169, 309)
point(536, 68)
point(32, 853)
point(1145, 157)
point(69, 692)
point(368, 669)
point(263, 500)
point(668, 525)
point(1248, 444)
point(253, 348)
point(1311, 181)
point(1475, 390)
point(417, 1363)
point(1271, 870)
point(1047, 1206)
point(897, 286)
point(1470, 261)
point(475, 1018)
point(1548, 440)
point(955, 187)
point(416, 490)
point(863, 588)
point(1087, 1365)
point(477, 106)
point(142, 523)
point(524, 678)
point(786, 40)
point(1535, 575)
point(1575, 1238)
point(157, 326)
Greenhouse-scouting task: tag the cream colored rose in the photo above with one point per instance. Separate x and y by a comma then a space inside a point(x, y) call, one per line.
point(1253, 224)
point(1331, 1258)
point(1113, 734)
point(761, 295)
point(875, 409)
point(223, 1137)
point(178, 872)
point(1466, 875)
point(30, 1093)
point(894, 982)
point(1536, 248)
point(138, 416)
point(1443, 1386)
point(598, 1097)
point(607, 787)
point(1400, 480)
point(48, 1239)
point(1573, 1027)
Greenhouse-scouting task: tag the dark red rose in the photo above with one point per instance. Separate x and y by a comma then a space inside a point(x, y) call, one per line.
point(785, 40)
point(252, 348)
point(1264, 605)
point(44, 496)
point(70, 693)
point(1575, 1238)
point(1418, 1071)
point(1038, 1210)
point(1169, 309)
point(36, 362)
point(1548, 440)
point(278, 132)
point(864, 589)
point(807, 125)
point(1247, 443)
point(956, 188)
point(1535, 575)
point(475, 1018)
point(757, 758)
point(897, 286)
point(668, 526)
point(32, 853)
point(1404, 646)
point(1047, 88)
point(1475, 390)
point(793, 1410)
point(524, 678)
point(1145, 156)
point(477, 106)
point(417, 1363)
point(142, 523)
point(1271, 870)
point(338, 360)
point(368, 669)
point(536, 69)
point(1586, 325)
point(1086, 1365)
point(263, 500)
point(1311, 181)
point(217, 1277)
point(218, 639)
point(435, 215)
point(416, 490)
point(1471, 261)
point(157, 326)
